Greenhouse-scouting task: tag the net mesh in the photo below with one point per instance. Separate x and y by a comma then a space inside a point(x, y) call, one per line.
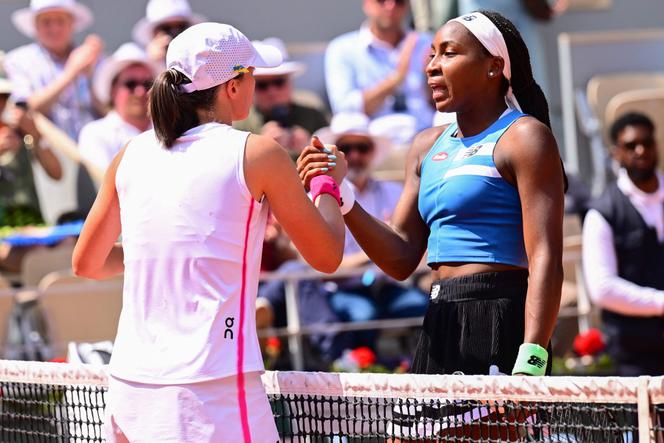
point(50, 402)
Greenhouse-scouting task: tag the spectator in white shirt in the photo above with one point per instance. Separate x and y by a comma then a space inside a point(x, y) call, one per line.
point(379, 69)
point(373, 295)
point(164, 19)
point(122, 82)
point(623, 251)
point(51, 74)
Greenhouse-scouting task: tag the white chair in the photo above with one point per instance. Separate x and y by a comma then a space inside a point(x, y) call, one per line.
point(81, 311)
point(41, 261)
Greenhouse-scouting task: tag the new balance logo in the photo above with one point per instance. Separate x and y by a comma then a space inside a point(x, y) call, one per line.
point(536, 361)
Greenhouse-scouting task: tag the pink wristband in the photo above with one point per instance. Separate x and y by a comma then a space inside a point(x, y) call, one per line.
point(324, 184)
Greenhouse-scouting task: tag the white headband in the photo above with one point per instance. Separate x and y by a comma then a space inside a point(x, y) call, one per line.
point(492, 39)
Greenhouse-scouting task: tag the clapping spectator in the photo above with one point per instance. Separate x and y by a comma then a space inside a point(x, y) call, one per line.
point(20, 146)
point(122, 82)
point(164, 19)
point(379, 69)
point(52, 74)
point(275, 112)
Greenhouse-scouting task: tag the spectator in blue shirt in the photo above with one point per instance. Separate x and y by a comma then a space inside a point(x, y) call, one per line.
point(379, 69)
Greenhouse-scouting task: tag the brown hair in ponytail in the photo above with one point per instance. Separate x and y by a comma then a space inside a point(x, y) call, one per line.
point(172, 110)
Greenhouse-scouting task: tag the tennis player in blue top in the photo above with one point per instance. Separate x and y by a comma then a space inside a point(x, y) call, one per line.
point(484, 196)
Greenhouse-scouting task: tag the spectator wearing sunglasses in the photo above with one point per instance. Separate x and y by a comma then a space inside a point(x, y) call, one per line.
point(52, 74)
point(275, 113)
point(164, 19)
point(372, 296)
point(122, 82)
point(379, 69)
point(623, 251)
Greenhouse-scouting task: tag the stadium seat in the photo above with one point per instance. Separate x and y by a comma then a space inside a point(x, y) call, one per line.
point(41, 261)
point(646, 101)
point(602, 88)
point(81, 311)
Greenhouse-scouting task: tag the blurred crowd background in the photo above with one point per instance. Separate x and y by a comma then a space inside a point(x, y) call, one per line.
point(74, 89)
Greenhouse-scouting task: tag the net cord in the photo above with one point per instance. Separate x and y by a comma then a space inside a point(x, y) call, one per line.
point(648, 390)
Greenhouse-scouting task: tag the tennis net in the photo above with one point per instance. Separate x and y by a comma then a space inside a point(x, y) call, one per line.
point(55, 402)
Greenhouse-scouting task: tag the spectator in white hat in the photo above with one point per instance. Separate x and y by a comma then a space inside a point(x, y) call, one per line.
point(122, 82)
point(51, 74)
point(164, 19)
point(275, 112)
point(370, 297)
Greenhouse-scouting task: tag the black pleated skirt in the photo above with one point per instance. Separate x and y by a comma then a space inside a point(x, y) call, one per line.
point(473, 322)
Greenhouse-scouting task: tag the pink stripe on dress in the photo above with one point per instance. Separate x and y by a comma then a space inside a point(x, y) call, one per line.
point(242, 399)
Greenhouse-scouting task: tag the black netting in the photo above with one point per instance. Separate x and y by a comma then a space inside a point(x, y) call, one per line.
point(49, 413)
point(314, 418)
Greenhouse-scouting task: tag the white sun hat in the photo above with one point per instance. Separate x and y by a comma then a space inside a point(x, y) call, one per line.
point(24, 19)
point(210, 54)
point(126, 55)
point(160, 11)
point(287, 67)
point(355, 123)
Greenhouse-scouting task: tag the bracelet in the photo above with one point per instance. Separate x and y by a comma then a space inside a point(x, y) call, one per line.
point(532, 360)
point(347, 197)
point(324, 184)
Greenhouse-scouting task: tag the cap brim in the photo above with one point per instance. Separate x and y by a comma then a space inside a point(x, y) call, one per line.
point(24, 19)
point(287, 68)
point(143, 29)
point(6, 86)
point(103, 78)
point(266, 56)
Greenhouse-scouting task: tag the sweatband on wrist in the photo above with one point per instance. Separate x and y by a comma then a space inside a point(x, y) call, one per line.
point(532, 360)
point(324, 184)
point(347, 198)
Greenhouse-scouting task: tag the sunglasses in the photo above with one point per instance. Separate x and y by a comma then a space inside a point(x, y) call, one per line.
point(131, 84)
point(171, 29)
point(648, 143)
point(396, 2)
point(264, 85)
point(362, 148)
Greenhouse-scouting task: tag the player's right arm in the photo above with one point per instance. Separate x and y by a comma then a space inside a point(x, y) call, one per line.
point(317, 231)
point(396, 248)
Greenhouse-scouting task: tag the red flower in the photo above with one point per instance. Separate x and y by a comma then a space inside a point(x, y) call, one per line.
point(589, 343)
point(363, 356)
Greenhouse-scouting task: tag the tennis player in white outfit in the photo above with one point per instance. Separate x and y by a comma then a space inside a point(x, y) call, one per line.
point(190, 198)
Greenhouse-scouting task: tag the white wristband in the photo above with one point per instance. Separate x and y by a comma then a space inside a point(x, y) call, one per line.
point(347, 197)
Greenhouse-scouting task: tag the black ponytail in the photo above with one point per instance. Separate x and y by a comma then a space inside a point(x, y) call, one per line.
point(526, 90)
point(173, 111)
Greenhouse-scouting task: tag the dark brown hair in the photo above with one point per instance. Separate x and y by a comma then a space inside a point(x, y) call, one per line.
point(172, 110)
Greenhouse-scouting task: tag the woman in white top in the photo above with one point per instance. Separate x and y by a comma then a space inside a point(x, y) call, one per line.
point(190, 200)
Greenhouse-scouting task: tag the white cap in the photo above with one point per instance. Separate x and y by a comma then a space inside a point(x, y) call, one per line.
point(355, 123)
point(285, 68)
point(210, 54)
point(126, 55)
point(160, 11)
point(24, 19)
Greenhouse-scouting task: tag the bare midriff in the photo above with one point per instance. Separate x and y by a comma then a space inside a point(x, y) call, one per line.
point(451, 270)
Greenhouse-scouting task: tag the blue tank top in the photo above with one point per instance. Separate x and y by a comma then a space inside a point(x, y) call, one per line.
point(473, 214)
